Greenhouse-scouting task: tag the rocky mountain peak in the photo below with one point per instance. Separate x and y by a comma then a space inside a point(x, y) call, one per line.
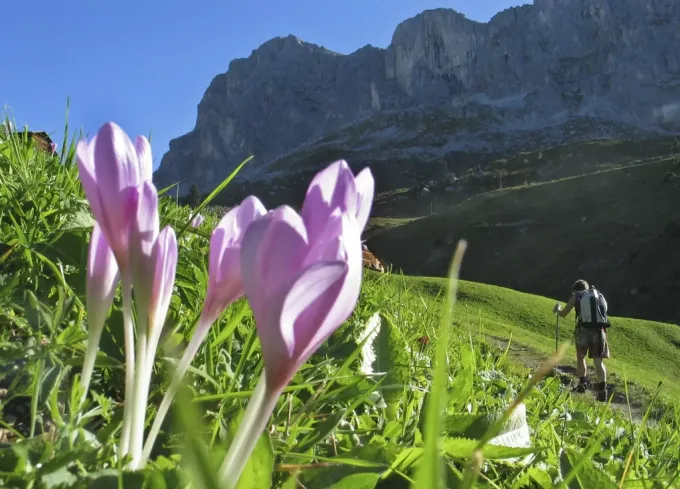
point(519, 80)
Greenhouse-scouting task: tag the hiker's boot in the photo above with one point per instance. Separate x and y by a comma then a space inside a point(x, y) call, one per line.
point(582, 385)
point(602, 392)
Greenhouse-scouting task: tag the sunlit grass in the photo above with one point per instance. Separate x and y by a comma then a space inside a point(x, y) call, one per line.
point(362, 413)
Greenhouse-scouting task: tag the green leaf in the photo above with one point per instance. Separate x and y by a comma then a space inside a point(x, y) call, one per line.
point(291, 482)
point(645, 484)
point(195, 451)
point(48, 382)
point(79, 220)
point(392, 430)
point(14, 460)
point(468, 425)
point(405, 460)
point(462, 384)
point(391, 359)
point(357, 481)
point(540, 477)
point(234, 321)
point(154, 480)
point(586, 475)
point(463, 448)
point(58, 479)
point(260, 466)
point(112, 479)
point(324, 429)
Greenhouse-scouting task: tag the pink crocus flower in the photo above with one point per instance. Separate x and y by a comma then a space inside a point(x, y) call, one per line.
point(224, 287)
point(162, 275)
point(53, 148)
point(110, 168)
point(197, 220)
point(302, 276)
point(336, 187)
point(299, 291)
point(102, 280)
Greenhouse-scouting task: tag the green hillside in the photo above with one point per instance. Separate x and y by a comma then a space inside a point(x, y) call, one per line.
point(618, 229)
point(645, 352)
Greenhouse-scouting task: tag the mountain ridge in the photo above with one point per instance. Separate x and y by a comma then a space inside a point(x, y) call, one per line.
point(614, 68)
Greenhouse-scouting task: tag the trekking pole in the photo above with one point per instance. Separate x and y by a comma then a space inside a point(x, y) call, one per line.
point(557, 332)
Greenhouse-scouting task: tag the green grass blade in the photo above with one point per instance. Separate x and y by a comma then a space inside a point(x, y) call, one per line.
point(430, 471)
point(213, 194)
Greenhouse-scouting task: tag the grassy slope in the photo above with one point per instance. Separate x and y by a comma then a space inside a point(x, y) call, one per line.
point(610, 228)
point(53, 202)
point(644, 352)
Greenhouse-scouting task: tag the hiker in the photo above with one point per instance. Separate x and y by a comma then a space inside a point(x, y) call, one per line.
point(589, 334)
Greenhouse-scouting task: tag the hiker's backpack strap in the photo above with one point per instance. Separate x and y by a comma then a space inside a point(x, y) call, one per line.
point(577, 307)
point(593, 308)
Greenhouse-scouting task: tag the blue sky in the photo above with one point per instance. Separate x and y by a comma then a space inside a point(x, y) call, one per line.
point(145, 64)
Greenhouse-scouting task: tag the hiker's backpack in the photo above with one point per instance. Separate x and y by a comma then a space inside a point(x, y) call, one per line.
point(591, 309)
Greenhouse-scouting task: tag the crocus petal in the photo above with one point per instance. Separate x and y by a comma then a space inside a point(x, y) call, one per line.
point(197, 220)
point(85, 160)
point(250, 209)
point(326, 247)
point(302, 307)
point(116, 163)
point(165, 261)
point(102, 279)
point(365, 185)
point(234, 223)
point(224, 280)
point(143, 149)
point(109, 170)
point(330, 188)
point(273, 250)
point(345, 294)
point(143, 233)
point(250, 251)
point(256, 244)
point(225, 284)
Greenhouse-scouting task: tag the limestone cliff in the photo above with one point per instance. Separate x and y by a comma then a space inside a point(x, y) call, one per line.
point(541, 74)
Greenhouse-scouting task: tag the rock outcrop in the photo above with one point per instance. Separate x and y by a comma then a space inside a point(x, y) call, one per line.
point(539, 74)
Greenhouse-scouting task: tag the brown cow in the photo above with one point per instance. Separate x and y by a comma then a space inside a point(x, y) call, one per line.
point(372, 262)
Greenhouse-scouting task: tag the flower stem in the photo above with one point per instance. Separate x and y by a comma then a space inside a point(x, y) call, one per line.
point(142, 378)
point(189, 354)
point(142, 401)
point(254, 422)
point(129, 332)
point(94, 335)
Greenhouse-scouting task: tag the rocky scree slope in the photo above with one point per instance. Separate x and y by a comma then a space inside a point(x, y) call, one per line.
point(533, 76)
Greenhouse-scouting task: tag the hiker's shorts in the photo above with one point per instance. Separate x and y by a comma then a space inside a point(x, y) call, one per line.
point(591, 342)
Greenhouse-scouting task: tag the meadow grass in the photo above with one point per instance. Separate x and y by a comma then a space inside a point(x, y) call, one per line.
point(644, 352)
point(405, 393)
